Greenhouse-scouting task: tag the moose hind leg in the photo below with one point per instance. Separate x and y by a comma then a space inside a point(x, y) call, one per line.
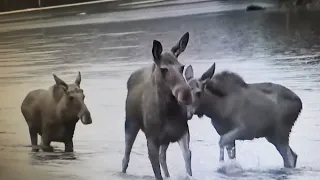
point(184, 146)
point(295, 156)
point(163, 159)
point(289, 157)
point(131, 131)
point(34, 139)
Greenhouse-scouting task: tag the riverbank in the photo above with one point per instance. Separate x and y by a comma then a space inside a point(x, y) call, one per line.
point(97, 14)
point(104, 6)
point(300, 4)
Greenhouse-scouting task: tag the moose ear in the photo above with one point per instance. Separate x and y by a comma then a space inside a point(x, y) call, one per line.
point(60, 81)
point(181, 45)
point(157, 51)
point(209, 73)
point(78, 79)
point(189, 74)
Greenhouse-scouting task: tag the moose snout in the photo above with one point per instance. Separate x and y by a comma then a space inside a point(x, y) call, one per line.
point(190, 111)
point(85, 118)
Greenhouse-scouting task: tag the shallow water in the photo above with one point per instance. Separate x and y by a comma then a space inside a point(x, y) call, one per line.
point(261, 46)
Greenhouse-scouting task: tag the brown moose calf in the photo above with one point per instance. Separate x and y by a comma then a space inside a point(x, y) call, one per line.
point(53, 113)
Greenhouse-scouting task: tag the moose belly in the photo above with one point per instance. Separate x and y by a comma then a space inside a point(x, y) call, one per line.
point(173, 131)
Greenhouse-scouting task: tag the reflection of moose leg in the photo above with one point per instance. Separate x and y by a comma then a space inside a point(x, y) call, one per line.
point(163, 159)
point(131, 131)
point(231, 149)
point(153, 151)
point(34, 139)
point(184, 146)
point(288, 155)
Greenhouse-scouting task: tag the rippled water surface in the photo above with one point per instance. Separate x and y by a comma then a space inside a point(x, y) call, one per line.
point(261, 46)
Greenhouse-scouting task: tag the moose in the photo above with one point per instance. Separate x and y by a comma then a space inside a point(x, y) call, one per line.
point(242, 111)
point(54, 113)
point(159, 102)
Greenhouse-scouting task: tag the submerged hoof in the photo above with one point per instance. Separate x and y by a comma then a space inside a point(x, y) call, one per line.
point(68, 150)
point(35, 149)
point(231, 167)
point(190, 177)
point(125, 163)
point(292, 161)
point(47, 148)
point(295, 160)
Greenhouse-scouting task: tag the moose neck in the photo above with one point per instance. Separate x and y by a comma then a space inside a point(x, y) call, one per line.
point(164, 95)
point(162, 90)
point(211, 105)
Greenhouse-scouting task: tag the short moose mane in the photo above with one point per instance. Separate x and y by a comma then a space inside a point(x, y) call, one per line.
point(226, 76)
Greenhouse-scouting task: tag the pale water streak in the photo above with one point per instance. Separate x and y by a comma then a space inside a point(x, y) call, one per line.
point(259, 46)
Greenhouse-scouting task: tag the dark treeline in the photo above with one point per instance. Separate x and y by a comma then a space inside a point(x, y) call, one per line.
point(10, 5)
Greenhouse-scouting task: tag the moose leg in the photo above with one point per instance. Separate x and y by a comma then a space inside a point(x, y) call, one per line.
point(289, 157)
point(45, 139)
point(68, 131)
point(221, 158)
point(34, 139)
point(295, 156)
point(163, 159)
point(153, 151)
point(231, 149)
point(68, 146)
point(231, 136)
point(184, 146)
point(131, 131)
point(45, 143)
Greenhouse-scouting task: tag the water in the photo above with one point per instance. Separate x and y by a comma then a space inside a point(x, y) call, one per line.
point(261, 46)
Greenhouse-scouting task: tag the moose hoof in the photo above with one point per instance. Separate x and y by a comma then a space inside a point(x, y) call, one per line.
point(35, 149)
point(190, 177)
point(68, 150)
point(295, 160)
point(125, 162)
point(47, 148)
